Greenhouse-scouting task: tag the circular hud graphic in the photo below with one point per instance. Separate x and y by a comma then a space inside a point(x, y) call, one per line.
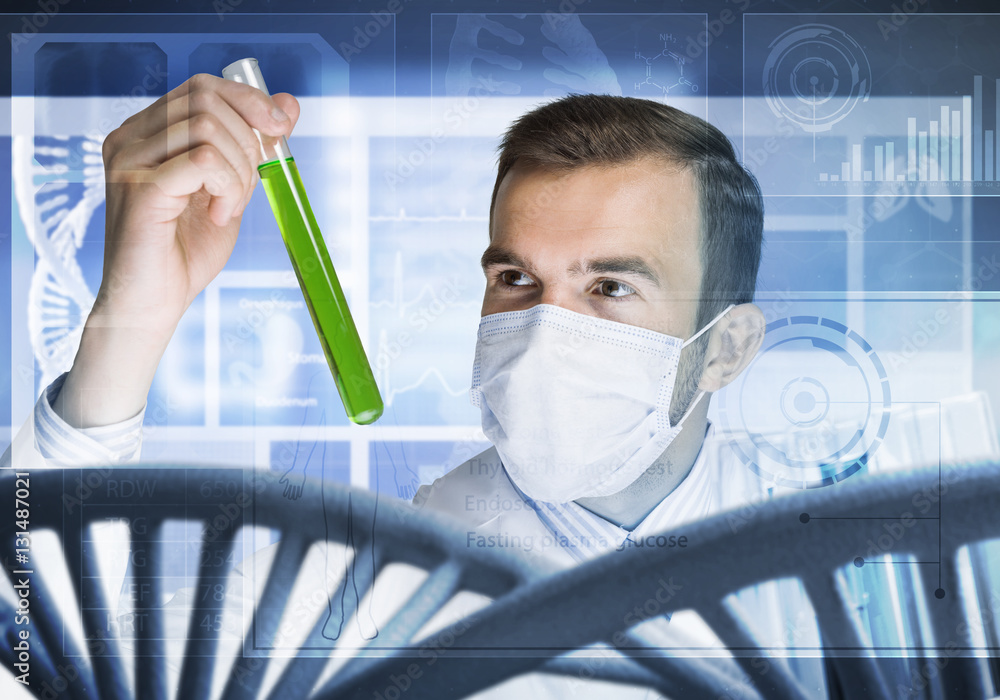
point(812, 407)
point(814, 75)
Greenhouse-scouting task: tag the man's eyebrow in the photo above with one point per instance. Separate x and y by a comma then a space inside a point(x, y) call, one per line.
point(618, 265)
point(494, 256)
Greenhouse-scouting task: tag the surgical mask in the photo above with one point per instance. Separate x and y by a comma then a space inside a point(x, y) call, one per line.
point(576, 406)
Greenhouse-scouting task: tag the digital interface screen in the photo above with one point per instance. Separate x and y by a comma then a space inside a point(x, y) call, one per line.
point(874, 136)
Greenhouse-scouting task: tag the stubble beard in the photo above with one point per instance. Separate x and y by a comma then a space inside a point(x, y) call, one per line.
point(689, 373)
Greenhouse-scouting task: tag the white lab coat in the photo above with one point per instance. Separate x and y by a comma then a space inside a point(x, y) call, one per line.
point(69, 447)
point(22, 453)
point(482, 478)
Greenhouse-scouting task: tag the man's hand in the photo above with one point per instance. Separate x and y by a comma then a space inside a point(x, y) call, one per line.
point(179, 175)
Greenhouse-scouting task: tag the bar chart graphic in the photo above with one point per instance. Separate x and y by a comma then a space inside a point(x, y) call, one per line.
point(953, 148)
point(836, 104)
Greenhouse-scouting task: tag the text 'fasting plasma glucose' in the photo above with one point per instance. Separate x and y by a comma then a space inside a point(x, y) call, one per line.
point(311, 261)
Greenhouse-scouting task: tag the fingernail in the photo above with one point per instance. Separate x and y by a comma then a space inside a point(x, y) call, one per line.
point(278, 115)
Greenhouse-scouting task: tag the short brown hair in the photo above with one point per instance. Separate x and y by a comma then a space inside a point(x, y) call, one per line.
point(582, 130)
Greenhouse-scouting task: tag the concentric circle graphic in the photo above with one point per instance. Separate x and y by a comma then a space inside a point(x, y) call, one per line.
point(804, 401)
point(814, 76)
point(812, 407)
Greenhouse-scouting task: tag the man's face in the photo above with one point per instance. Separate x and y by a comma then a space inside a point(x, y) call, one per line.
point(616, 242)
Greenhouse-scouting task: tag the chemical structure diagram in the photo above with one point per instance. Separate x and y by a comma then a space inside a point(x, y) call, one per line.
point(671, 81)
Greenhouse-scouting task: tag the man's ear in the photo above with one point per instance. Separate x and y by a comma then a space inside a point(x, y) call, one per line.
point(732, 344)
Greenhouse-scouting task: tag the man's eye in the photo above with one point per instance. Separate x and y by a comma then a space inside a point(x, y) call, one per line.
point(611, 288)
point(513, 278)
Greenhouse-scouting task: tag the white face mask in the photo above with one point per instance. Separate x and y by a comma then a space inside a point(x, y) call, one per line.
point(576, 406)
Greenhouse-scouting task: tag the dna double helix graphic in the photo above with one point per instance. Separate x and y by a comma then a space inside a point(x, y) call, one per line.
point(58, 184)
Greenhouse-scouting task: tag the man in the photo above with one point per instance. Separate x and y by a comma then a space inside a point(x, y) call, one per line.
point(630, 212)
point(619, 229)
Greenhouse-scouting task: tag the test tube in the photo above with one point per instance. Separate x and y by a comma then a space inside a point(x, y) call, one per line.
point(323, 295)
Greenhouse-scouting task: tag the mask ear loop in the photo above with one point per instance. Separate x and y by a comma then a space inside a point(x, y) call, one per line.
point(708, 326)
point(701, 393)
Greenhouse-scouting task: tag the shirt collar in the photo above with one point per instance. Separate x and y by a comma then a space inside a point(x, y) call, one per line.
point(586, 535)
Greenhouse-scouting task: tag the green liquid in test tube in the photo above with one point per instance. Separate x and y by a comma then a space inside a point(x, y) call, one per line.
point(313, 269)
